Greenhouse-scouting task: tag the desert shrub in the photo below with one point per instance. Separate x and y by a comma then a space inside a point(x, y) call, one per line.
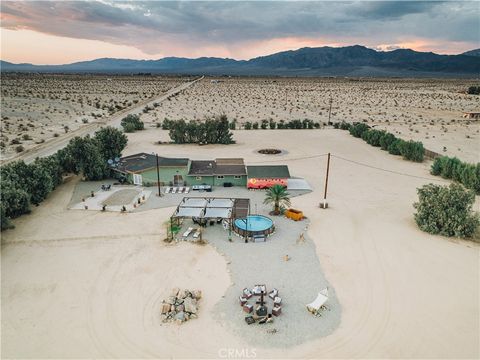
point(248, 125)
point(232, 125)
point(19, 148)
point(473, 90)
point(394, 147)
point(412, 150)
point(386, 140)
point(446, 210)
point(316, 125)
point(372, 137)
point(264, 124)
point(357, 129)
point(453, 168)
point(272, 124)
point(255, 126)
point(167, 124)
point(132, 123)
point(281, 125)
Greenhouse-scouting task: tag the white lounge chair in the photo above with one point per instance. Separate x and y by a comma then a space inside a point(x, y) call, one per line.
point(167, 190)
point(174, 190)
point(187, 190)
point(321, 299)
point(196, 234)
point(188, 232)
point(180, 190)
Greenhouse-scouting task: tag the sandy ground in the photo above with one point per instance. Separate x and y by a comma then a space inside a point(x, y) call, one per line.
point(87, 284)
point(39, 107)
point(429, 110)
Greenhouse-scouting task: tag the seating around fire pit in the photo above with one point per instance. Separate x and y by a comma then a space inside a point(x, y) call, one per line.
point(258, 307)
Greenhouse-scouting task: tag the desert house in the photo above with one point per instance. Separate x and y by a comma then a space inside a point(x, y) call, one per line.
point(141, 169)
point(218, 172)
point(471, 115)
point(264, 176)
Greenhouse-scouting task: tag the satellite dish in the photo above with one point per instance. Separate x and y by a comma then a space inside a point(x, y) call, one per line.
point(110, 161)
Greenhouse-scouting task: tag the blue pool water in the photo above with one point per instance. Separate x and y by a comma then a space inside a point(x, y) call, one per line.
point(254, 223)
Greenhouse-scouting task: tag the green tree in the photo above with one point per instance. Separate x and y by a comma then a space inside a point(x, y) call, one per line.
point(111, 142)
point(15, 201)
point(4, 219)
point(446, 210)
point(52, 166)
point(278, 196)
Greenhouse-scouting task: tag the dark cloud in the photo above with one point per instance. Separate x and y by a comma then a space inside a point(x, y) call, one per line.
point(150, 26)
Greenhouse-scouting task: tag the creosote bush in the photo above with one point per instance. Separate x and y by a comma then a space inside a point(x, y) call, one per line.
point(132, 123)
point(446, 210)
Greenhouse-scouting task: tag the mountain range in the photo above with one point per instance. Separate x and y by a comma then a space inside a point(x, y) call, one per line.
point(321, 61)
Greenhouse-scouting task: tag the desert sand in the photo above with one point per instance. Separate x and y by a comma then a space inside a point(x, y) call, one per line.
point(39, 107)
point(429, 110)
point(88, 284)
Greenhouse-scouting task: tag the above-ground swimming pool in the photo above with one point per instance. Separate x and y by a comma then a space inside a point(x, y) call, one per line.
point(253, 225)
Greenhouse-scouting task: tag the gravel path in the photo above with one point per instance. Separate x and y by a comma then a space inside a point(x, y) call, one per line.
point(298, 281)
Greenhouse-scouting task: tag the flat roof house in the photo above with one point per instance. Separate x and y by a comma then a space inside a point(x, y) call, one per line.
point(265, 176)
point(218, 172)
point(144, 166)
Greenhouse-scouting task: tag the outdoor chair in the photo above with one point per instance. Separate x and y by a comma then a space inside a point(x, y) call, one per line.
point(187, 190)
point(273, 294)
point(196, 234)
point(174, 190)
point(277, 310)
point(247, 293)
point(188, 232)
point(258, 289)
point(167, 190)
point(242, 300)
point(277, 301)
point(248, 308)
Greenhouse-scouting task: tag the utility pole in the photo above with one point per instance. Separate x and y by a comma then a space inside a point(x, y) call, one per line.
point(330, 111)
point(158, 178)
point(324, 205)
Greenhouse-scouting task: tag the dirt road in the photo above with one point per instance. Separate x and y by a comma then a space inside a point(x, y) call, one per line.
point(55, 144)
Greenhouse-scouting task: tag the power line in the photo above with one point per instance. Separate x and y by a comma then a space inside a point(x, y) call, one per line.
point(386, 170)
point(288, 159)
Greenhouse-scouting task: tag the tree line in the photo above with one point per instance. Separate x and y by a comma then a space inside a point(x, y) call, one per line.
point(453, 168)
point(25, 184)
point(409, 150)
point(209, 131)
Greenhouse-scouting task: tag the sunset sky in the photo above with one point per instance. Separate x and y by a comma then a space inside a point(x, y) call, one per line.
point(50, 32)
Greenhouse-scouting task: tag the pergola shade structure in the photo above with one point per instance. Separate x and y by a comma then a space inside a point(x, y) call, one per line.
point(207, 208)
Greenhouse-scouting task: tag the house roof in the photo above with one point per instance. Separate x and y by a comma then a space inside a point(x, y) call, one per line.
point(201, 167)
point(143, 161)
point(268, 171)
point(217, 167)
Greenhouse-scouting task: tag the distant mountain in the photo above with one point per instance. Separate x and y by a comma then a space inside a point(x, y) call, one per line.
point(322, 61)
point(475, 52)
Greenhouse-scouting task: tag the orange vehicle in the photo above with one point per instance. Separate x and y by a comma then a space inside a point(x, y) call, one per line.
point(265, 183)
